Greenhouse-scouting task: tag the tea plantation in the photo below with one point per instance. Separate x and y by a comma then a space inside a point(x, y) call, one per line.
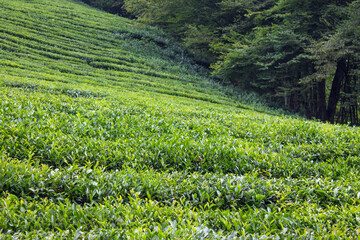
point(109, 131)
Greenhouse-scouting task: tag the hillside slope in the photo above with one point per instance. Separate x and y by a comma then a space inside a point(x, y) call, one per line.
point(107, 130)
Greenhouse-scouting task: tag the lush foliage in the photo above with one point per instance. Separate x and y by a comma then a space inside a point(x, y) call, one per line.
point(108, 130)
point(302, 54)
point(112, 6)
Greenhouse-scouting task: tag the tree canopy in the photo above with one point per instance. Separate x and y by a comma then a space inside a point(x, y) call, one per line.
point(302, 54)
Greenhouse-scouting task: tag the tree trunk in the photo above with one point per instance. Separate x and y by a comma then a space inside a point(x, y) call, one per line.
point(314, 100)
point(335, 89)
point(321, 103)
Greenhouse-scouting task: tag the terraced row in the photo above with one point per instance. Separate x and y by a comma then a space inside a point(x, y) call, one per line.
point(59, 40)
point(57, 129)
point(107, 130)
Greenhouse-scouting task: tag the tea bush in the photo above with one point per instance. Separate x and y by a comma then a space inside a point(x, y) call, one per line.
point(107, 130)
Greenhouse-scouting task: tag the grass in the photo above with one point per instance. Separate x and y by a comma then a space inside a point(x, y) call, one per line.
point(108, 130)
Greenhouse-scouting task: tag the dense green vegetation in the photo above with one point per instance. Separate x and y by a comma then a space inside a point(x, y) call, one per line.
point(303, 54)
point(108, 130)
